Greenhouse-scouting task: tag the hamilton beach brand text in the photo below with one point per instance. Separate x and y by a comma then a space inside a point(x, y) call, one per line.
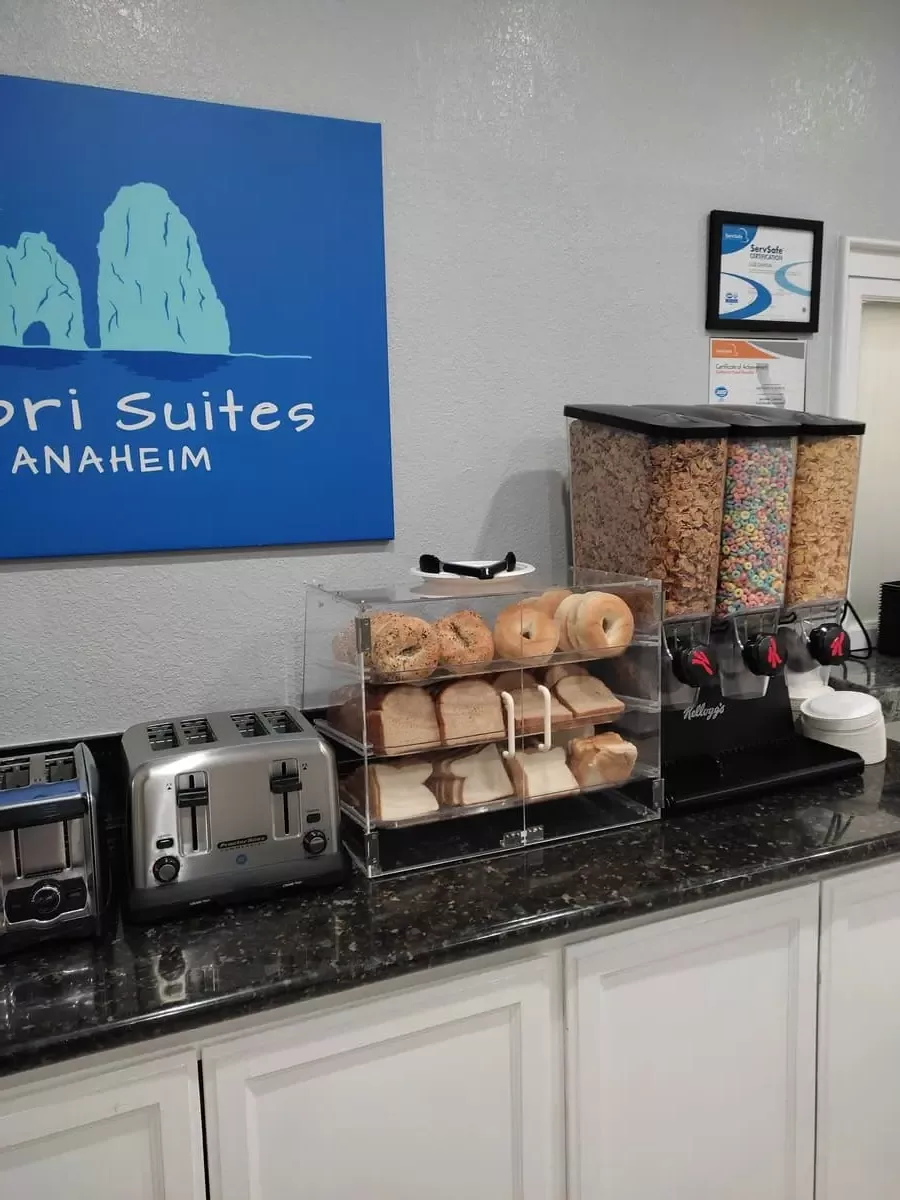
point(703, 711)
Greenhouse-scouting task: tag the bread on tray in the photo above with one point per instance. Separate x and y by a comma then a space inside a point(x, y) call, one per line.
point(601, 760)
point(398, 719)
point(469, 711)
point(397, 791)
point(471, 779)
point(538, 773)
point(588, 698)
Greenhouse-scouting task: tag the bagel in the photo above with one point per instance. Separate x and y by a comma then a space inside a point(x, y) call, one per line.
point(601, 621)
point(403, 647)
point(522, 631)
point(464, 639)
point(566, 610)
point(550, 601)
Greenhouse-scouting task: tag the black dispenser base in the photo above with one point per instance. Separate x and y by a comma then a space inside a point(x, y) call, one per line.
point(721, 750)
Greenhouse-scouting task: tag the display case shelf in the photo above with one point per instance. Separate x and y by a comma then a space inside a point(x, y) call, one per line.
point(464, 743)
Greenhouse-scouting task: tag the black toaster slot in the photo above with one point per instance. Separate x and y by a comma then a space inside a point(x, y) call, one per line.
point(192, 798)
point(284, 782)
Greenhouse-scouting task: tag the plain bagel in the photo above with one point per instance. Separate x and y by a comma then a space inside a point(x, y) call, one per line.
point(522, 631)
point(464, 639)
point(601, 621)
point(564, 612)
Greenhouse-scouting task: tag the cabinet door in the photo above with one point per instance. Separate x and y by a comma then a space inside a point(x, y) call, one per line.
point(132, 1133)
point(442, 1091)
point(859, 1037)
point(691, 1055)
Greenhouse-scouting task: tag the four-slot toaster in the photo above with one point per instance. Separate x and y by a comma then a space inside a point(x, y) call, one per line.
point(52, 882)
point(228, 805)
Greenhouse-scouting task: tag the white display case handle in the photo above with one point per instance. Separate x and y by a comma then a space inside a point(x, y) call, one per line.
point(510, 707)
point(548, 731)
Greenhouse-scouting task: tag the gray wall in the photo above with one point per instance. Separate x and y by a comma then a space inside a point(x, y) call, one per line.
point(548, 168)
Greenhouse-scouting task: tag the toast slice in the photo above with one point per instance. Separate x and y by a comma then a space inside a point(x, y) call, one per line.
point(537, 773)
point(469, 711)
point(472, 779)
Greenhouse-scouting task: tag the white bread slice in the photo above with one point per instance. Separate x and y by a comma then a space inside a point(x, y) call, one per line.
point(514, 681)
point(398, 792)
point(602, 760)
point(559, 671)
point(529, 709)
point(469, 711)
point(398, 719)
point(538, 773)
point(585, 696)
point(468, 779)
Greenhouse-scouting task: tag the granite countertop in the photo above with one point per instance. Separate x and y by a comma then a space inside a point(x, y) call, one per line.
point(63, 1000)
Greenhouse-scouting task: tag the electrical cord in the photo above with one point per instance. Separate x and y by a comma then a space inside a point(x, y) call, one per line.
point(859, 655)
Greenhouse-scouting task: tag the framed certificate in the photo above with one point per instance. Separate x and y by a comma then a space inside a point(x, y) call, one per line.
point(764, 273)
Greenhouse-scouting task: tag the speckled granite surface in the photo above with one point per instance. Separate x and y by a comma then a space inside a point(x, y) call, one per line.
point(879, 675)
point(59, 1002)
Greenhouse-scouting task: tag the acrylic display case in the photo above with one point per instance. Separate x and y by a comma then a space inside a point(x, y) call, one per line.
point(489, 717)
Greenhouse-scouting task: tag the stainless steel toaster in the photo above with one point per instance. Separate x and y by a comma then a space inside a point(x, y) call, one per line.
point(229, 805)
point(51, 879)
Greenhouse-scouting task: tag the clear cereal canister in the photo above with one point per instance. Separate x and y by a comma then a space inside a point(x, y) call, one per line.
point(824, 499)
point(756, 515)
point(646, 497)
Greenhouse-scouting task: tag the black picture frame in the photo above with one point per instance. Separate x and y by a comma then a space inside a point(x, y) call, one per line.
point(714, 321)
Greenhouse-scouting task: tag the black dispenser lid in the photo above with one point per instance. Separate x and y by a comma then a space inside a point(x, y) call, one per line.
point(746, 422)
point(819, 425)
point(656, 421)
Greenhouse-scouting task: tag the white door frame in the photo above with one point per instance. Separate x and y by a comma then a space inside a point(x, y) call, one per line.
point(868, 270)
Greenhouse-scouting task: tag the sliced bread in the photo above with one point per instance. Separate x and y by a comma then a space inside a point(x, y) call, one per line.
point(471, 779)
point(602, 760)
point(585, 696)
point(469, 711)
point(538, 773)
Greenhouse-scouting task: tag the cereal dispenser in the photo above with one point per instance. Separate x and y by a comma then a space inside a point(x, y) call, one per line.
point(701, 498)
point(646, 496)
point(828, 455)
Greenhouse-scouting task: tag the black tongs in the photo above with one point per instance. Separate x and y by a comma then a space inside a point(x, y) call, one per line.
point(432, 565)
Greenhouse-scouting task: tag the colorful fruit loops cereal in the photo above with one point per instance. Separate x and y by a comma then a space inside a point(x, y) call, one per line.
point(756, 524)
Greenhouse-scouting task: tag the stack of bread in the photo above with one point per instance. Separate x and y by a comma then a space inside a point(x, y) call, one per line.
point(405, 719)
point(418, 787)
point(408, 648)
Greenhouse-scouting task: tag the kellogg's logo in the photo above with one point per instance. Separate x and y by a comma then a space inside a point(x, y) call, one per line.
point(703, 711)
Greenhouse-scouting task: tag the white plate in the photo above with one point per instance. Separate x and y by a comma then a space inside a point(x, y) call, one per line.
point(520, 569)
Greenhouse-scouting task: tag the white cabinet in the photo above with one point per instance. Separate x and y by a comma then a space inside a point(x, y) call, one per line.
point(691, 1055)
point(132, 1133)
point(442, 1090)
point(859, 1037)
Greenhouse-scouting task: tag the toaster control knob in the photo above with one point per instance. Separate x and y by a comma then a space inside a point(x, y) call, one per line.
point(315, 841)
point(46, 899)
point(165, 869)
point(829, 644)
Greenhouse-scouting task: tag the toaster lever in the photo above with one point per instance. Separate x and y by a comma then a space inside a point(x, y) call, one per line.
point(42, 804)
point(285, 777)
point(191, 789)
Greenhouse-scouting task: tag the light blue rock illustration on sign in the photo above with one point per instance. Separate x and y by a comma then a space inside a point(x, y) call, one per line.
point(40, 300)
point(153, 289)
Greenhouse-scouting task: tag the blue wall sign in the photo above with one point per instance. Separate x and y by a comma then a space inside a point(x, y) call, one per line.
point(193, 335)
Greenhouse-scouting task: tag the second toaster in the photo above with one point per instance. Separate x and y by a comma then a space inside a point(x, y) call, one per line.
point(228, 805)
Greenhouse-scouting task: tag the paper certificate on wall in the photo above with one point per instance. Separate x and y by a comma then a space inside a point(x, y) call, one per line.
point(770, 373)
point(763, 273)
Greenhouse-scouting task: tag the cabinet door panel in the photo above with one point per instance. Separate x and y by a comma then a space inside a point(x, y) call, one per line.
point(441, 1091)
point(132, 1133)
point(691, 1056)
point(859, 1037)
